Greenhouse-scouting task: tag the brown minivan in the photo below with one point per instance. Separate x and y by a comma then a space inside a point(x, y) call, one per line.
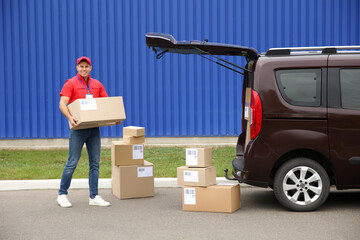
point(301, 117)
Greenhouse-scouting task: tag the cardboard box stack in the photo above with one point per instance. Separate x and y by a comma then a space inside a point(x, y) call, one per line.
point(200, 191)
point(132, 176)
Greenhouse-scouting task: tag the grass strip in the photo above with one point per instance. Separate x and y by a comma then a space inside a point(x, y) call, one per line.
point(49, 164)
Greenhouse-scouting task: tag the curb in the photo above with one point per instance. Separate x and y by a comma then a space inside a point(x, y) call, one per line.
point(63, 143)
point(11, 185)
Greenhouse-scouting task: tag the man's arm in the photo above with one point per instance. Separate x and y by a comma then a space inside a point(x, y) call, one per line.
point(64, 109)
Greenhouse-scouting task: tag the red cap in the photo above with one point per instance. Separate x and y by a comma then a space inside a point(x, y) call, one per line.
point(82, 59)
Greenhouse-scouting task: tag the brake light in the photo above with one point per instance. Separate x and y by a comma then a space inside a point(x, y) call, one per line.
point(256, 114)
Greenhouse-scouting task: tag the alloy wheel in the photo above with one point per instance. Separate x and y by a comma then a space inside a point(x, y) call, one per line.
point(302, 185)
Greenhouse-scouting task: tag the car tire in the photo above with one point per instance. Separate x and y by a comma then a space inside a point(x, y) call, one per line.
point(301, 185)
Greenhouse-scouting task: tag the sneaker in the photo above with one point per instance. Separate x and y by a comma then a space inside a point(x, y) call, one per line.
point(63, 201)
point(98, 201)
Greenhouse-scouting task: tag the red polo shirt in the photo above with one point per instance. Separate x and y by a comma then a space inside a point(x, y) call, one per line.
point(76, 88)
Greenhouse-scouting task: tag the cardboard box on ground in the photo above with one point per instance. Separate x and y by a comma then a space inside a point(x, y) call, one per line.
point(215, 198)
point(97, 112)
point(198, 179)
point(134, 181)
point(132, 176)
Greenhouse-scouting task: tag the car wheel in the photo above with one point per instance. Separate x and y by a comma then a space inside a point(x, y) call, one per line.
point(301, 185)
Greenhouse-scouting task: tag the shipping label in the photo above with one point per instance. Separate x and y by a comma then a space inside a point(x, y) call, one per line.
point(88, 104)
point(191, 176)
point(246, 112)
point(191, 156)
point(138, 152)
point(145, 172)
point(190, 196)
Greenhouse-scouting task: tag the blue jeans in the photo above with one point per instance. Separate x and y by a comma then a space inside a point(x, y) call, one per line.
point(77, 138)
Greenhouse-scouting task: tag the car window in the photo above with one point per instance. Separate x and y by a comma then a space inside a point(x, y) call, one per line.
point(300, 87)
point(350, 88)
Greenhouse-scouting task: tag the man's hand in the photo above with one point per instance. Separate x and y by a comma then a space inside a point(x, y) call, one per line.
point(73, 121)
point(64, 109)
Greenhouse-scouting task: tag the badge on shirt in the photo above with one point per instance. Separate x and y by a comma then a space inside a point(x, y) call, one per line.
point(89, 96)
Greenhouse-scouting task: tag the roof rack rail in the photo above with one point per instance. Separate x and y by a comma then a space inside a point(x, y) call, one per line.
point(323, 50)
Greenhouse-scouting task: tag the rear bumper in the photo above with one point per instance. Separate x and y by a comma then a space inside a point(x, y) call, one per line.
point(256, 165)
point(242, 179)
point(239, 174)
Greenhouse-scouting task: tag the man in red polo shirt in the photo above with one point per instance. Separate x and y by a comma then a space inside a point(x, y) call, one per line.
point(81, 86)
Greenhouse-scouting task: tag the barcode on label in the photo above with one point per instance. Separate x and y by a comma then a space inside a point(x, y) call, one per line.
point(191, 176)
point(137, 147)
point(88, 104)
point(189, 191)
point(138, 152)
point(189, 196)
point(191, 152)
point(145, 172)
point(191, 156)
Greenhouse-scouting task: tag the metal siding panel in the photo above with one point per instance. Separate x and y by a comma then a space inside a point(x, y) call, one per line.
point(16, 72)
point(206, 83)
point(310, 39)
point(104, 51)
point(111, 83)
point(175, 79)
point(32, 69)
point(40, 68)
point(175, 96)
point(119, 59)
point(143, 67)
point(354, 14)
point(24, 71)
point(9, 122)
point(63, 63)
point(336, 24)
point(167, 91)
point(135, 88)
point(55, 72)
point(3, 112)
point(49, 107)
point(214, 72)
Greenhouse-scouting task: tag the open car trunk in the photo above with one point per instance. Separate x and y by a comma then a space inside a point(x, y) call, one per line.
point(164, 43)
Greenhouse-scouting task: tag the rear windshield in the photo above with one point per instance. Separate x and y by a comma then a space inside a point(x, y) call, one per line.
point(300, 87)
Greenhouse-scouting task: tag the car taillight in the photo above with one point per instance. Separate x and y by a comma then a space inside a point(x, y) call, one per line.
point(256, 115)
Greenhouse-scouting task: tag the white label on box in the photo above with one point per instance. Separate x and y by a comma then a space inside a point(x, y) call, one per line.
point(138, 152)
point(145, 171)
point(88, 104)
point(191, 176)
point(190, 196)
point(191, 156)
point(246, 112)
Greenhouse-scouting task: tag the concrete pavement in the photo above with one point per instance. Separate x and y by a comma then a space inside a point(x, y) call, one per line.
point(34, 214)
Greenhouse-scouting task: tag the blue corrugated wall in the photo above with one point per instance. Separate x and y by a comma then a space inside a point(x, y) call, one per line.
point(174, 96)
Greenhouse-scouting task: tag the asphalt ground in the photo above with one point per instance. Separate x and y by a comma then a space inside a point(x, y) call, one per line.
point(34, 214)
